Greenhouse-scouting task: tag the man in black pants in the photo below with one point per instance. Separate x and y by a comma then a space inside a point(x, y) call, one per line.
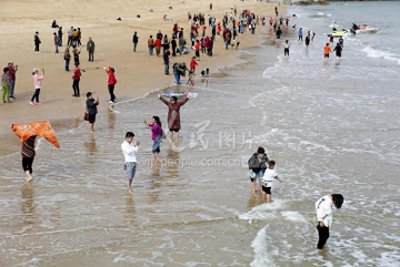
point(37, 42)
point(324, 208)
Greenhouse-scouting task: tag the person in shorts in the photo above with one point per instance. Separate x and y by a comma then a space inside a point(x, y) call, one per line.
point(257, 165)
point(130, 148)
point(269, 177)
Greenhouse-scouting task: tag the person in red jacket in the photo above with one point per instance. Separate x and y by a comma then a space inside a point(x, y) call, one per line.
point(76, 79)
point(193, 64)
point(112, 81)
point(158, 46)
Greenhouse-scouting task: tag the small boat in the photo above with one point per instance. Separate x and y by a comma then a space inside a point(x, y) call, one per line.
point(367, 29)
point(338, 34)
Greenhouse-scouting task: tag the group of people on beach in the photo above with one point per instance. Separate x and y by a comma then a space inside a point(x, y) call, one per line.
point(261, 168)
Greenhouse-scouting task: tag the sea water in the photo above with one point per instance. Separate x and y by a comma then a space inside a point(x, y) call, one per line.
point(331, 126)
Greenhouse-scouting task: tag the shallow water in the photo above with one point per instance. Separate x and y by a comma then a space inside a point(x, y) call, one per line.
point(330, 127)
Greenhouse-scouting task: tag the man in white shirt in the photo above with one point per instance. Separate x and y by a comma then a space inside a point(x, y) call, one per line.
point(269, 177)
point(324, 208)
point(130, 149)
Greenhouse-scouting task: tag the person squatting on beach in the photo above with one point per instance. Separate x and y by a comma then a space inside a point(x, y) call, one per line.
point(179, 69)
point(174, 116)
point(112, 81)
point(267, 181)
point(130, 148)
point(37, 83)
point(156, 135)
point(91, 109)
point(90, 47)
point(324, 209)
point(28, 155)
point(257, 166)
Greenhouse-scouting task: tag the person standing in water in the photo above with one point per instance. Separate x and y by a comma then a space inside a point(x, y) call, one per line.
point(308, 39)
point(327, 50)
point(287, 48)
point(267, 180)
point(157, 136)
point(37, 83)
point(130, 148)
point(300, 34)
point(324, 209)
point(338, 48)
point(257, 166)
point(91, 109)
point(174, 116)
point(28, 155)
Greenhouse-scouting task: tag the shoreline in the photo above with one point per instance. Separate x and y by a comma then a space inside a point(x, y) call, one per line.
point(69, 116)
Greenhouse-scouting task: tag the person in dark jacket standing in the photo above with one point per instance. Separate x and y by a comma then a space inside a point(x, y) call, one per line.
point(166, 61)
point(135, 40)
point(90, 46)
point(28, 155)
point(174, 45)
point(257, 166)
point(67, 58)
point(112, 81)
point(76, 79)
point(60, 34)
point(55, 39)
point(37, 42)
point(91, 109)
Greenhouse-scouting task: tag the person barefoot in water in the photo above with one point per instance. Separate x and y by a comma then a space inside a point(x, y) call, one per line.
point(157, 136)
point(174, 117)
point(130, 148)
point(28, 155)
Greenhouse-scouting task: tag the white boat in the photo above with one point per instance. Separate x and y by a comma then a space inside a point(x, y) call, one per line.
point(338, 34)
point(367, 30)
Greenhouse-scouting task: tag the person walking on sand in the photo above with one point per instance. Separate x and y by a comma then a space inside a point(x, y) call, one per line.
point(28, 155)
point(135, 40)
point(257, 166)
point(91, 109)
point(150, 45)
point(37, 83)
point(76, 78)
point(67, 58)
point(130, 148)
point(6, 84)
point(55, 40)
point(324, 209)
point(12, 72)
point(157, 136)
point(90, 46)
point(267, 180)
point(112, 81)
point(158, 46)
point(287, 48)
point(76, 53)
point(327, 50)
point(193, 64)
point(174, 116)
point(37, 42)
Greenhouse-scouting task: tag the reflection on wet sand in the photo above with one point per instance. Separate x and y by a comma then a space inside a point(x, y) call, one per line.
point(91, 147)
point(112, 118)
point(130, 209)
point(28, 206)
point(172, 163)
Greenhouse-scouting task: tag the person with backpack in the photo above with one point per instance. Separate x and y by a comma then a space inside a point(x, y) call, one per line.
point(174, 116)
point(157, 136)
point(150, 45)
point(257, 166)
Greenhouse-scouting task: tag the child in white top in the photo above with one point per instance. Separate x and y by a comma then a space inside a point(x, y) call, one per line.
point(269, 177)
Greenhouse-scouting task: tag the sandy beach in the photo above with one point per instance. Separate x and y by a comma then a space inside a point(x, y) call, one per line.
point(137, 73)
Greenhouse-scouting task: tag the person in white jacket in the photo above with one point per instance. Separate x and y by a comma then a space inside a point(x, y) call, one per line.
point(324, 208)
point(130, 149)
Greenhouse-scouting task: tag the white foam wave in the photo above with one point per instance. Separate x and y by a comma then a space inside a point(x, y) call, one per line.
point(261, 253)
point(293, 216)
point(376, 53)
point(262, 212)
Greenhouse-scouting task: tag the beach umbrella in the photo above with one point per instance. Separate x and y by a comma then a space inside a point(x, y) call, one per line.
point(42, 129)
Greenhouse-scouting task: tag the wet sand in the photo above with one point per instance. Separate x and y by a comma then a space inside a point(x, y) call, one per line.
point(137, 73)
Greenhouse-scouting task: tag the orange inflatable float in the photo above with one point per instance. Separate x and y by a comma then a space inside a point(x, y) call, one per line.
point(42, 129)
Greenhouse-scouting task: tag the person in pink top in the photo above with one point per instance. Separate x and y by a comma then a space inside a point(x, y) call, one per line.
point(37, 83)
point(157, 136)
point(112, 81)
